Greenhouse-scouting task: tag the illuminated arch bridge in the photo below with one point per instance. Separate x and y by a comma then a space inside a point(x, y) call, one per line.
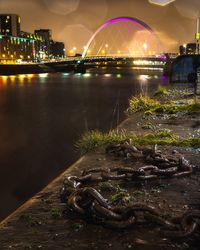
point(123, 36)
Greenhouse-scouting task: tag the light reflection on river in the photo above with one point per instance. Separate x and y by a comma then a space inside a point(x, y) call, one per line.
point(41, 118)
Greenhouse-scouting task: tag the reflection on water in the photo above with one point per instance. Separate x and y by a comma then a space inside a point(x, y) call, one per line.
point(41, 118)
point(20, 79)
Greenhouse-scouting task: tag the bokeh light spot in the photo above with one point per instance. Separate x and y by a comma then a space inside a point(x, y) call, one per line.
point(161, 2)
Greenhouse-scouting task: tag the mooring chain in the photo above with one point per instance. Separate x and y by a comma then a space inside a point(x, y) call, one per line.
point(146, 172)
point(88, 202)
point(167, 165)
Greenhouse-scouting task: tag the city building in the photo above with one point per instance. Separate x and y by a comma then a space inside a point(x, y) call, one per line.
point(189, 49)
point(182, 49)
point(18, 46)
point(57, 49)
point(43, 51)
point(10, 25)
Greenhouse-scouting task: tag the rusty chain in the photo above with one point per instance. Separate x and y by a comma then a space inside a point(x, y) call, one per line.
point(88, 202)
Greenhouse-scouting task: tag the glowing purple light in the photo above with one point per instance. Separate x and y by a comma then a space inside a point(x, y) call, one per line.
point(134, 20)
point(112, 21)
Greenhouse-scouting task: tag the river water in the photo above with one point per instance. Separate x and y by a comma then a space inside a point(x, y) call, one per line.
point(42, 116)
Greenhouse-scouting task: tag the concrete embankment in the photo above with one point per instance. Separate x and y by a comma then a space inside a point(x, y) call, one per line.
point(41, 222)
point(13, 69)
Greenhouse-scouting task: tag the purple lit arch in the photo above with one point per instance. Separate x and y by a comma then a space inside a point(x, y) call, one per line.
point(116, 20)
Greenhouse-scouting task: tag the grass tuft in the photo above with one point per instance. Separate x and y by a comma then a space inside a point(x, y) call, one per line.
point(95, 139)
point(55, 213)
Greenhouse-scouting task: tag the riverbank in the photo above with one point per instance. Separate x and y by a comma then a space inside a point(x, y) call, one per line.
point(41, 223)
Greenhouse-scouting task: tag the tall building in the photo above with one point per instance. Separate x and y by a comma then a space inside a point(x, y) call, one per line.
point(10, 25)
point(44, 50)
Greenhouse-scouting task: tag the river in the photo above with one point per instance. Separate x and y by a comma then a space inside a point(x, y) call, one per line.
point(42, 117)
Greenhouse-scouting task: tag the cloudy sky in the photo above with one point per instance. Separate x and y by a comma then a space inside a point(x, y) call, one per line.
point(74, 21)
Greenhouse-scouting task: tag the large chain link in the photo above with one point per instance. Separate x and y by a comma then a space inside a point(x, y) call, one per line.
point(87, 201)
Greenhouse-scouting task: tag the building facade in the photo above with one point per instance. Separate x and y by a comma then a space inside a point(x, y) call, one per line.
point(38, 47)
point(16, 49)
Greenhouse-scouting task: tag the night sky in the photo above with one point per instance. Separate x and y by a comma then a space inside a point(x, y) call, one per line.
point(74, 21)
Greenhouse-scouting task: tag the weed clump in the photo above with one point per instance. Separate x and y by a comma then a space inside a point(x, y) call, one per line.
point(194, 105)
point(161, 91)
point(150, 106)
point(141, 103)
point(119, 196)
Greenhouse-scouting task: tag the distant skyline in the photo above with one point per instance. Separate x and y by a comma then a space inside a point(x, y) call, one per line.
point(74, 21)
